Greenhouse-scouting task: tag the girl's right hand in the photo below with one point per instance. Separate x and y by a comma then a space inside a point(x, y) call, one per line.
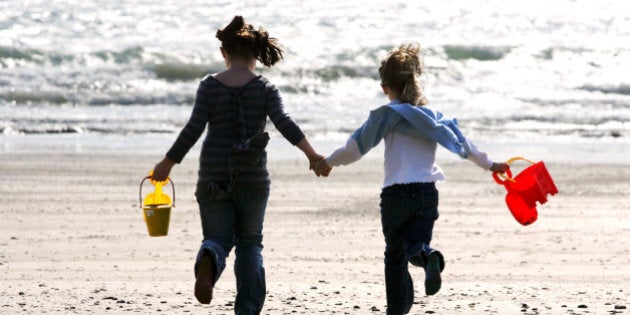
point(162, 170)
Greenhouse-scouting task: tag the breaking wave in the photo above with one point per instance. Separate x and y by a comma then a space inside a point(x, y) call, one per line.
point(482, 53)
point(623, 89)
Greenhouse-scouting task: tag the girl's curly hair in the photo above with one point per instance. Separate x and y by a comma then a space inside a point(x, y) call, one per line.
point(401, 70)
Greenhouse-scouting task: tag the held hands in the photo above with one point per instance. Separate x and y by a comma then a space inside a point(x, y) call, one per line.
point(315, 160)
point(319, 166)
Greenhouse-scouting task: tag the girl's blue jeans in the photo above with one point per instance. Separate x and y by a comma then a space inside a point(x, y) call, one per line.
point(236, 220)
point(408, 212)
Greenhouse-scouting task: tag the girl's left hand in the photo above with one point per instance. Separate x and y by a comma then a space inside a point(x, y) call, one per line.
point(499, 167)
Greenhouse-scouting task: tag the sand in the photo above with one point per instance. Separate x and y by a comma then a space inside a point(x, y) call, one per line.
point(72, 240)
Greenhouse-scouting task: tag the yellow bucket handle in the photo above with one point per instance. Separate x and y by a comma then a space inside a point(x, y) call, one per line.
point(516, 158)
point(168, 179)
point(509, 162)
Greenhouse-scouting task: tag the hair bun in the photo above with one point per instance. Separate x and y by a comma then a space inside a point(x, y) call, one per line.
point(231, 30)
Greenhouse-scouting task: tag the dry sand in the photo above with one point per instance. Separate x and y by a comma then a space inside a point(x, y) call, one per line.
point(72, 240)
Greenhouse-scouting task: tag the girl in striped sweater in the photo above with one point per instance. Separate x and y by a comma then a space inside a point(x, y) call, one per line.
point(233, 181)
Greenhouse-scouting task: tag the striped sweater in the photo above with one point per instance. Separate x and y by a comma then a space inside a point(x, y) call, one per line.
point(213, 107)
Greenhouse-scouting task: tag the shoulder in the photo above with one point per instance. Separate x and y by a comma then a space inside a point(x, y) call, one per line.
point(409, 110)
point(265, 84)
point(392, 108)
point(380, 110)
point(209, 81)
point(383, 114)
point(268, 89)
point(209, 87)
point(262, 80)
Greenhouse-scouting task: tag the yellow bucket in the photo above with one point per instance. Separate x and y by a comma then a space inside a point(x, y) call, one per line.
point(157, 218)
point(156, 208)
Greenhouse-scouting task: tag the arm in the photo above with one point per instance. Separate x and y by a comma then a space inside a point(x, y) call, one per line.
point(444, 131)
point(481, 158)
point(194, 127)
point(364, 138)
point(344, 155)
point(478, 157)
point(187, 137)
point(281, 120)
point(310, 153)
point(291, 131)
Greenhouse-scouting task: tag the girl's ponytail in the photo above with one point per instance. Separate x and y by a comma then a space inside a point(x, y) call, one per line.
point(232, 30)
point(241, 40)
point(269, 51)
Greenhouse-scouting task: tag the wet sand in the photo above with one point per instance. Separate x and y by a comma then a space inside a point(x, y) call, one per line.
point(72, 240)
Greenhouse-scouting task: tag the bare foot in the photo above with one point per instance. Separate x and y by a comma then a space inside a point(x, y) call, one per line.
point(205, 280)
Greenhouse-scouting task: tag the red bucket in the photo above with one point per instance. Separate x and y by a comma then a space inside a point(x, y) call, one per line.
point(531, 185)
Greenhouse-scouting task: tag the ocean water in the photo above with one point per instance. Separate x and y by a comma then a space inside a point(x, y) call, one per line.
point(544, 78)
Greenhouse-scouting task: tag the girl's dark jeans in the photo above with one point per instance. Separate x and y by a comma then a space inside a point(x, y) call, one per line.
point(236, 219)
point(408, 212)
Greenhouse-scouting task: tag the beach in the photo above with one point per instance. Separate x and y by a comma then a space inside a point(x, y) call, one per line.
point(92, 95)
point(73, 240)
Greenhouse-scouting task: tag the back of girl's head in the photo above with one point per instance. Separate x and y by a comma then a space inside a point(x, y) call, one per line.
point(241, 40)
point(400, 71)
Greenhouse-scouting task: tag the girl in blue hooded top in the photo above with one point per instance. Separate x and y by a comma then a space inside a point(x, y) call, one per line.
point(409, 198)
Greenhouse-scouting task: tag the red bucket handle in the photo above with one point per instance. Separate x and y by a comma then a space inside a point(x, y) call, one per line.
point(507, 176)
